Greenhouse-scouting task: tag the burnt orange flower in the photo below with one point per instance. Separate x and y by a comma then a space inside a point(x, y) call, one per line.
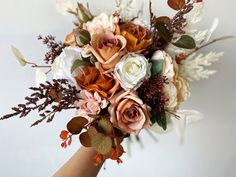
point(91, 80)
point(70, 40)
point(138, 38)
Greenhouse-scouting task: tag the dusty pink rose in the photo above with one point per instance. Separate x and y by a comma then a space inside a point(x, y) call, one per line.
point(128, 112)
point(91, 103)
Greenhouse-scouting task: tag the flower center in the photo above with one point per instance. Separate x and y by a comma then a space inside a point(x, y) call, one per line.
point(131, 114)
point(132, 68)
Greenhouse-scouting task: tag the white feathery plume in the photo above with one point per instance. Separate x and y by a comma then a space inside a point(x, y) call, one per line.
point(193, 67)
point(126, 8)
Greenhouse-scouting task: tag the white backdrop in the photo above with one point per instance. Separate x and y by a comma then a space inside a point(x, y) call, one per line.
point(209, 149)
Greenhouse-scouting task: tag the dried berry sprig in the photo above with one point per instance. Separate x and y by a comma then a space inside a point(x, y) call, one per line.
point(151, 92)
point(179, 22)
point(48, 99)
point(55, 48)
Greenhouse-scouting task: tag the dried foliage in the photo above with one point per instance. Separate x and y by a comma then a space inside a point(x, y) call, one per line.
point(151, 92)
point(98, 134)
point(48, 99)
point(55, 48)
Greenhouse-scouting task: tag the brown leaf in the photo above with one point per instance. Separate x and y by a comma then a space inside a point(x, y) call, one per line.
point(176, 4)
point(163, 19)
point(56, 96)
point(76, 125)
point(85, 139)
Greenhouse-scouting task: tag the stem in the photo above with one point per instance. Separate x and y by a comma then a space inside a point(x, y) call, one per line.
point(34, 65)
point(209, 43)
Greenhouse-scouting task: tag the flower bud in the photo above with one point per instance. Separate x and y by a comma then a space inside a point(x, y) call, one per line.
point(84, 14)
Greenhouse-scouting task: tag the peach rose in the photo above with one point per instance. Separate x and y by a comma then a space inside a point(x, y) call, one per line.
point(128, 112)
point(107, 48)
point(138, 38)
point(92, 80)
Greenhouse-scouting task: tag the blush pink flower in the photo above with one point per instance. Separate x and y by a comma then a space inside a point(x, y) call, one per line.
point(128, 112)
point(91, 103)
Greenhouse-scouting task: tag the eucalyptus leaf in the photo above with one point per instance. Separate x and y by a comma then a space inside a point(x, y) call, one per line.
point(76, 125)
point(78, 63)
point(19, 56)
point(105, 126)
point(185, 42)
point(164, 32)
point(101, 143)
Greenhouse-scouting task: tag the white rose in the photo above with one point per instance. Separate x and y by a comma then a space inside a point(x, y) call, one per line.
point(167, 65)
point(132, 70)
point(101, 23)
point(61, 67)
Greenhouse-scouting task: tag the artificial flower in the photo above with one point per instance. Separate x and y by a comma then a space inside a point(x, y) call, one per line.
point(170, 92)
point(138, 38)
point(129, 113)
point(61, 67)
point(166, 62)
point(92, 80)
point(91, 103)
point(181, 84)
point(102, 23)
point(132, 70)
point(107, 49)
point(70, 40)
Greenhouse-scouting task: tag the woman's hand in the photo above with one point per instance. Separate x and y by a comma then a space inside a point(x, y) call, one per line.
point(80, 165)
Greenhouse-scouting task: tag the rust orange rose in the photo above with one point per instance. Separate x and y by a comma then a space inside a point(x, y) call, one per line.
point(138, 38)
point(107, 48)
point(91, 80)
point(128, 112)
point(70, 40)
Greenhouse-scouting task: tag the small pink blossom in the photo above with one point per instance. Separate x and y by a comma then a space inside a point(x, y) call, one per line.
point(91, 103)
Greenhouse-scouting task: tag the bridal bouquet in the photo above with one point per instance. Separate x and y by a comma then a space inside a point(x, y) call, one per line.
point(119, 73)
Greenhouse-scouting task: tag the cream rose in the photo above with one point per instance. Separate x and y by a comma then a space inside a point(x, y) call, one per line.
point(102, 23)
point(167, 63)
point(128, 112)
point(170, 92)
point(132, 70)
point(181, 84)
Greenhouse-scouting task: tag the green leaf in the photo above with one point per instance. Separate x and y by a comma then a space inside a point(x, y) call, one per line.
point(76, 125)
point(164, 32)
point(105, 126)
point(161, 120)
point(78, 63)
point(157, 66)
point(186, 42)
point(19, 56)
point(82, 36)
point(101, 143)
